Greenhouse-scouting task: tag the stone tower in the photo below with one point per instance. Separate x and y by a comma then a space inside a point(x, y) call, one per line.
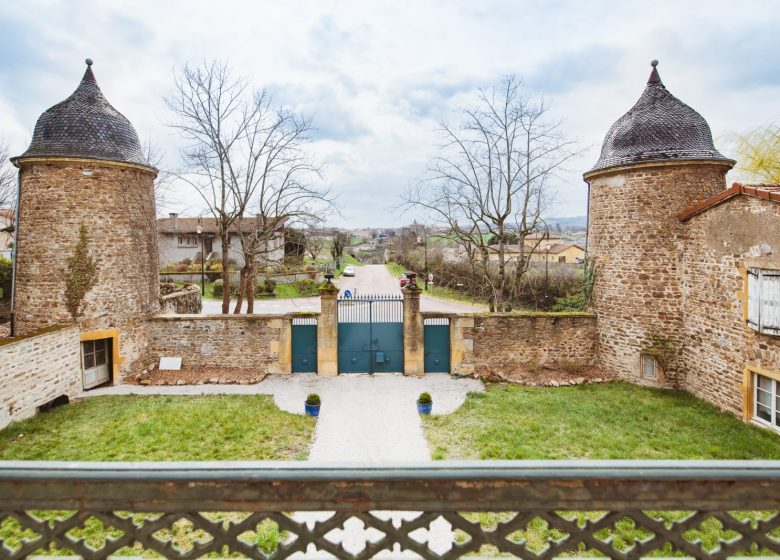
point(85, 166)
point(656, 161)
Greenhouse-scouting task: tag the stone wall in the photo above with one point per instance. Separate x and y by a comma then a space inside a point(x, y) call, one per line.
point(723, 241)
point(36, 369)
point(512, 344)
point(186, 301)
point(638, 242)
point(234, 341)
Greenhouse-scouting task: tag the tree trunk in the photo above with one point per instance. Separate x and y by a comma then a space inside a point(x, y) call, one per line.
point(225, 237)
point(241, 291)
point(250, 292)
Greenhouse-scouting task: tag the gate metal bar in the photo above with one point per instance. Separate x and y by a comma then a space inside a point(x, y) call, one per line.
point(633, 496)
point(371, 308)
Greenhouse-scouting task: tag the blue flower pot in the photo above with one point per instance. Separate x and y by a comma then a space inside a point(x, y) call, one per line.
point(424, 408)
point(312, 409)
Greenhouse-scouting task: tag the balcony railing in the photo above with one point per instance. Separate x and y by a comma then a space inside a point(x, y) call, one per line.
point(528, 509)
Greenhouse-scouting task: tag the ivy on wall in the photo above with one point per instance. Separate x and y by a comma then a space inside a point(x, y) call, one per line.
point(660, 347)
point(82, 273)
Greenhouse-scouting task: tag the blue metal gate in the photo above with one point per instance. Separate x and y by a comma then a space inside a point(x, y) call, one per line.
point(436, 331)
point(304, 345)
point(371, 334)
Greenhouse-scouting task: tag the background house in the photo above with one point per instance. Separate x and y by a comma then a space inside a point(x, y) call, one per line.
point(178, 239)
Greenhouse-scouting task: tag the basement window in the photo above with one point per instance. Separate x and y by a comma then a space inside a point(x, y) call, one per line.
point(649, 367)
point(763, 313)
point(766, 401)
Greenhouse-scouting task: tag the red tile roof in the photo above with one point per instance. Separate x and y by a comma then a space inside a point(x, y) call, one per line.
point(768, 192)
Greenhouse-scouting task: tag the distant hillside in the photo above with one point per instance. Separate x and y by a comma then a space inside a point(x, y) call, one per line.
point(572, 223)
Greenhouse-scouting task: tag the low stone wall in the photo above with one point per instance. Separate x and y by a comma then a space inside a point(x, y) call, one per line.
point(184, 302)
point(522, 345)
point(232, 341)
point(36, 369)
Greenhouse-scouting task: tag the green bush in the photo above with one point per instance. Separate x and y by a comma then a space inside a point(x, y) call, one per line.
point(307, 287)
point(6, 270)
point(218, 288)
point(424, 398)
point(313, 399)
point(571, 302)
point(265, 288)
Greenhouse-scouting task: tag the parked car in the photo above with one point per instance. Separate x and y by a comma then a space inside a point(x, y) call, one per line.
point(349, 270)
point(403, 280)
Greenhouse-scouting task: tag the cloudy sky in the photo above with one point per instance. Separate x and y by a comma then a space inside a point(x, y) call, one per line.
point(379, 75)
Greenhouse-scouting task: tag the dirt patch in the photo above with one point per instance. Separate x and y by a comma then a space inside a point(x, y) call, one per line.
point(544, 376)
point(202, 376)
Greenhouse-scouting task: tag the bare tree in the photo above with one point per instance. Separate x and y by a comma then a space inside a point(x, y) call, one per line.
point(7, 180)
point(338, 244)
point(215, 113)
point(280, 182)
point(314, 245)
point(492, 179)
point(163, 183)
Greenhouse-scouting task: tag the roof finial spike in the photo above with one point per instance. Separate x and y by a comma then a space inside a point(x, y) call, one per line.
point(655, 77)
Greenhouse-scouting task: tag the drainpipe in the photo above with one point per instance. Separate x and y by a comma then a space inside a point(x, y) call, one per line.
point(16, 250)
point(587, 222)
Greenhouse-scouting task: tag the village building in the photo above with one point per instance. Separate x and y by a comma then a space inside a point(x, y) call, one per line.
point(179, 240)
point(7, 216)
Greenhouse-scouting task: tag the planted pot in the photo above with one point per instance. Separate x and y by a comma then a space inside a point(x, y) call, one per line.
point(424, 408)
point(312, 405)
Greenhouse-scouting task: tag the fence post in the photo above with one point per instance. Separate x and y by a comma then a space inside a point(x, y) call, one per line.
point(327, 331)
point(414, 347)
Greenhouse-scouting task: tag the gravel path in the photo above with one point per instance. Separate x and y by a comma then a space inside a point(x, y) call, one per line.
point(364, 418)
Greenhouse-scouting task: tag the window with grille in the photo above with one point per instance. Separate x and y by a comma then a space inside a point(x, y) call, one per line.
point(766, 400)
point(764, 300)
point(188, 241)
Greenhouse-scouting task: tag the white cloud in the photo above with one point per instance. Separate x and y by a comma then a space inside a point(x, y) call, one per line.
point(379, 75)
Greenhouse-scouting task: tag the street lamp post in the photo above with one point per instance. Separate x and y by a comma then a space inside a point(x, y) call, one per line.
point(199, 229)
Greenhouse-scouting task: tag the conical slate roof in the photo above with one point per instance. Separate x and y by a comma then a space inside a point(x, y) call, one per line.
point(85, 125)
point(659, 127)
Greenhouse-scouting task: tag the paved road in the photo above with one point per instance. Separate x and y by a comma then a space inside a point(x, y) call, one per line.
point(368, 279)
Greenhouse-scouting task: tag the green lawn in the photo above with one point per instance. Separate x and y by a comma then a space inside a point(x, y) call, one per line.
point(161, 428)
point(395, 269)
point(597, 421)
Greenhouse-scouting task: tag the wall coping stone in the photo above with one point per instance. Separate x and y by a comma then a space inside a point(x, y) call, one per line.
point(54, 328)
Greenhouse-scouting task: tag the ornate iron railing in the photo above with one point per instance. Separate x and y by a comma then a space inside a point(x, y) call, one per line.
point(533, 509)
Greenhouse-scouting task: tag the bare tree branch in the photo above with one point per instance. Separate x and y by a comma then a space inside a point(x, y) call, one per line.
point(491, 181)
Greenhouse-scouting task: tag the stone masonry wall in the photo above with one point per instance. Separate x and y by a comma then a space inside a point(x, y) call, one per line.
point(638, 243)
point(511, 344)
point(723, 241)
point(187, 301)
point(235, 341)
point(116, 204)
point(36, 369)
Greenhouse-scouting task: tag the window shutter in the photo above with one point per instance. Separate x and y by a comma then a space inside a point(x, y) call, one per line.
point(769, 313)
point(754, 298)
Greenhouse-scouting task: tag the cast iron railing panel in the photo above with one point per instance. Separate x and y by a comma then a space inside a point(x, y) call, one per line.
point(534, 509)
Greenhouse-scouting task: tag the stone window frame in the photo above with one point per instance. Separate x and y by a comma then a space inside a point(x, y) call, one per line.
point(749, 390)
point(116, 359)
point(753, 298)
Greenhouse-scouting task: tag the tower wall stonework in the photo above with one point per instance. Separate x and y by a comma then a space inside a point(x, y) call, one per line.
point(115, 202)
point(638, 242)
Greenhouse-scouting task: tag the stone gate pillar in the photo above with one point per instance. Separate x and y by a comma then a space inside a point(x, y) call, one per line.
point(327, 331)
point(414, 347)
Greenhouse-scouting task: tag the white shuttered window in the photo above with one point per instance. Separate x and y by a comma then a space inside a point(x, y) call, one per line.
point(764, 300)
